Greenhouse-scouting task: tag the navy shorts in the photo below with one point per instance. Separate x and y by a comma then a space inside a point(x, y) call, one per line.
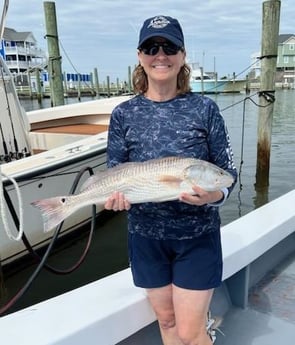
point(190, 264)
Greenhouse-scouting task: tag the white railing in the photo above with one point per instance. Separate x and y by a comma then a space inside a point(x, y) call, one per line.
point(25, 51)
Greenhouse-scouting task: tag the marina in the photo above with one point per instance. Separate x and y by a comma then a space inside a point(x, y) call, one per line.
point(74, 284)
point(108, 253)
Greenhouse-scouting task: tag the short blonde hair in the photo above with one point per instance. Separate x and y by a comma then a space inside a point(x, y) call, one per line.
point(140, 80)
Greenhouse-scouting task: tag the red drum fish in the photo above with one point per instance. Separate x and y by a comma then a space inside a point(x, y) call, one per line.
point(155, 180)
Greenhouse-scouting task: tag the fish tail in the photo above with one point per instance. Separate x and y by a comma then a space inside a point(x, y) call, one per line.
point(52, 211)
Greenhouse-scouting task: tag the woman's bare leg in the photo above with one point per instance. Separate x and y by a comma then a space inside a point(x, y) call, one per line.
point(162, 302)
point(182, 314)
point(191, 309)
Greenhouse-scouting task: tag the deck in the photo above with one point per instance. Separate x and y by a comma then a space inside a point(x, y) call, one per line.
point(270, 315)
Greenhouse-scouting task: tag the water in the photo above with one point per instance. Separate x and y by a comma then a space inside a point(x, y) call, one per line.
point(32, 104)
point(282, 161)
point(108, 252)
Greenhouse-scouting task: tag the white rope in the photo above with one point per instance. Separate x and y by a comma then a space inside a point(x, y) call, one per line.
point(3, 211)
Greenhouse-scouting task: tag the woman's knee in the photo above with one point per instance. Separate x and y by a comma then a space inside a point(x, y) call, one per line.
point(194, 337)
point(166, 323)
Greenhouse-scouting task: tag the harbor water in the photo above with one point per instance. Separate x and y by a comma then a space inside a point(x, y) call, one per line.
point(108, 251)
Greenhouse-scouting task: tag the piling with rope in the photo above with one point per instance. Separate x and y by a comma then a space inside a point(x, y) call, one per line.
point(269, 49)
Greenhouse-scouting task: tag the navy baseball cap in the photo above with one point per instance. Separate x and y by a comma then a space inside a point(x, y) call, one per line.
point(162, 26)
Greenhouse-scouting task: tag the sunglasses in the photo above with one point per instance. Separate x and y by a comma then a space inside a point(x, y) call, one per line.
point(153, 48)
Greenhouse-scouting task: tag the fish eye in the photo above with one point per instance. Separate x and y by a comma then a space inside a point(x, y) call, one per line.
point(63, 200)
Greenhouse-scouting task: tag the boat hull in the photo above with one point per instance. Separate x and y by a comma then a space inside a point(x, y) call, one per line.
point(46, 175)
point(207, 86)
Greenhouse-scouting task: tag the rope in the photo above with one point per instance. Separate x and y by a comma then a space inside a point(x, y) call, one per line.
point(42, 260)
point(270, 98)
point(269, 56)
point(3, 211)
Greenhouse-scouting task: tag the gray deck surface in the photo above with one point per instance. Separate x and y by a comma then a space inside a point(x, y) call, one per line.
point(269, 318)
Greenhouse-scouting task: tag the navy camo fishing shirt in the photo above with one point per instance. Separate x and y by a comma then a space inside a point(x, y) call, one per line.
point(189, 125)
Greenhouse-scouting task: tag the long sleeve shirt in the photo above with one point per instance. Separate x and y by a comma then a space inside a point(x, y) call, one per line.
point(189, 125)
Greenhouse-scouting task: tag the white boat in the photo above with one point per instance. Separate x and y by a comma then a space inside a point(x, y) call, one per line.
point(255, 301)
point(202, 82)
point(68, 139)
point(41, 153)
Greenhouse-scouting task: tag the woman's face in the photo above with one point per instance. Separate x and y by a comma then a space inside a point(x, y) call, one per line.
point(162, 66)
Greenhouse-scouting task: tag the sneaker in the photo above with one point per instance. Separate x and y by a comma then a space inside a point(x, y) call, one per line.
point(213, 324)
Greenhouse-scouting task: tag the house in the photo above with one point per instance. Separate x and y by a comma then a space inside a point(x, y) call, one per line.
point(285, 61)
point(21, 53)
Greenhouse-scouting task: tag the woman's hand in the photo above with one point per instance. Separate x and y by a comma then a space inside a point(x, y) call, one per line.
point(201, 197)
point(117, 202)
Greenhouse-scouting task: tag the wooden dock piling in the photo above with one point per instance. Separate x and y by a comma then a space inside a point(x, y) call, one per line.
point(54, 65)
point(269, 49)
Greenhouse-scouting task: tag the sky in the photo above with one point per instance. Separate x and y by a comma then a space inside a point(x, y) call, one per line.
point(103, 34)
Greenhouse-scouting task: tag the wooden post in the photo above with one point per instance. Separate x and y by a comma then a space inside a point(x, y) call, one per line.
point(269, 49)
point(108, 87)
point(130, 86)
point(96, 82)
point(65, 85)
point(91, 84)
point(55, 72)
point(79, 87)
point(118, 86)
point(247, 86)
point(39, 88)
point(215, 75)
point(29, 83)
point(202, 80)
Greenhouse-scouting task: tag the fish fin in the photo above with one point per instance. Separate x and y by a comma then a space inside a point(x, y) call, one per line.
point(93, 179)
point(53, 211)
point(170, 180)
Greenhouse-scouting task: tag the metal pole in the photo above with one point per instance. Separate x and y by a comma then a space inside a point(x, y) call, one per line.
point(269, 49)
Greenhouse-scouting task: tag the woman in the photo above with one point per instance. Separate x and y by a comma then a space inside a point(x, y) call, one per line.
point(174, 247)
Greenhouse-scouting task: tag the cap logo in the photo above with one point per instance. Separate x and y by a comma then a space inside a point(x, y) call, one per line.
point(158, 22)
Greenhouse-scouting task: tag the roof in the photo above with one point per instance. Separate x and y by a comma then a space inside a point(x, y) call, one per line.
point(285, 37)
point(13, 35)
